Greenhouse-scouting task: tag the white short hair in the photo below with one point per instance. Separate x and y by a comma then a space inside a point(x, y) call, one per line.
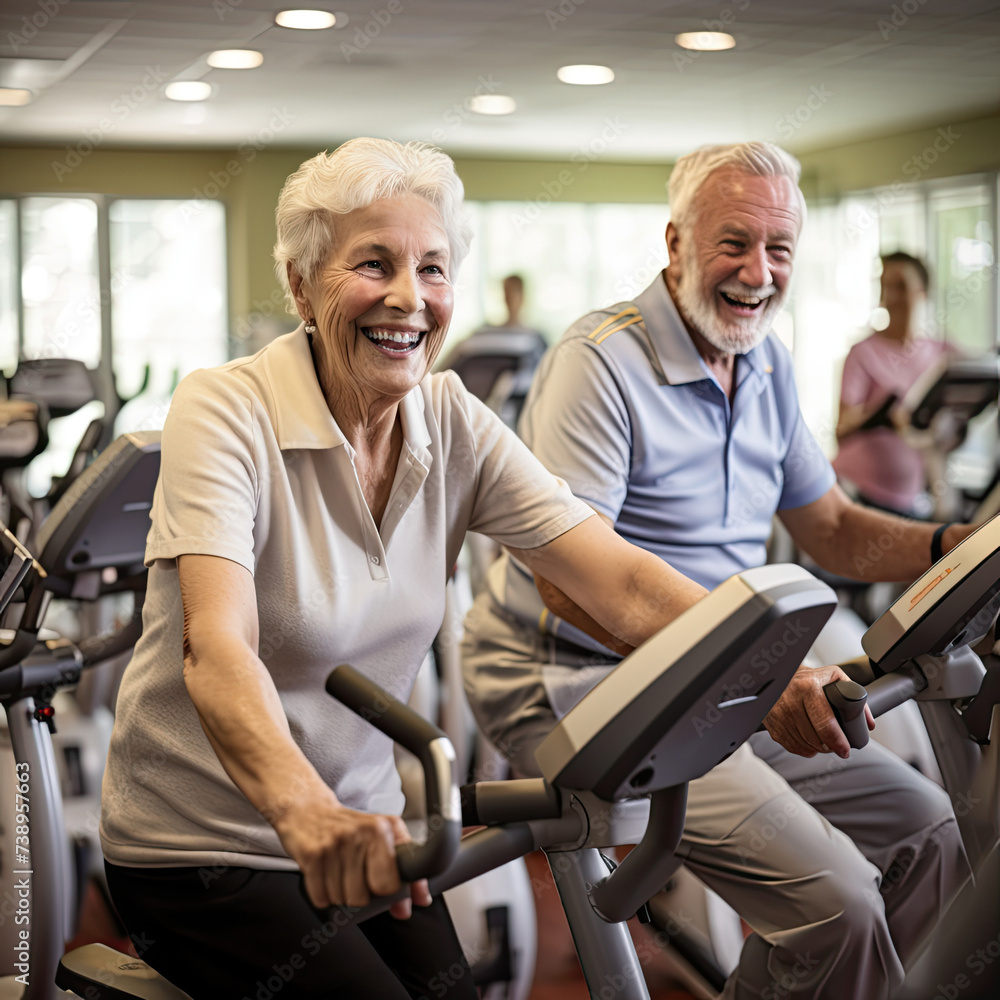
point(763, 159)
point(353, 176)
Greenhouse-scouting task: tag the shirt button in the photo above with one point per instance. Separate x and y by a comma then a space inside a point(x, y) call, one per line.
point(375, 560)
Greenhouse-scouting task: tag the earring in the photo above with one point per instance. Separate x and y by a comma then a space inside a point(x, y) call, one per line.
point(310, 326)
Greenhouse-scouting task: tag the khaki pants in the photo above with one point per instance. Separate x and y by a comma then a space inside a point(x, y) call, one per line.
point(842, 868)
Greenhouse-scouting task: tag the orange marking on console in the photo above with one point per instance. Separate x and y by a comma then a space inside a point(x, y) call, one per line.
point(917, 598)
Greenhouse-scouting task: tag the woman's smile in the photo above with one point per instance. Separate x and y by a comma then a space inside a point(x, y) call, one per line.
point(392, 341)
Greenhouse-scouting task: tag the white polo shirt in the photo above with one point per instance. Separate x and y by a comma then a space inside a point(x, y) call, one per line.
point(255, 469)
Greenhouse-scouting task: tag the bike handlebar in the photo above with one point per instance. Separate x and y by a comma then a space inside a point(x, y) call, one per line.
point(848, 699)
point(436, 755)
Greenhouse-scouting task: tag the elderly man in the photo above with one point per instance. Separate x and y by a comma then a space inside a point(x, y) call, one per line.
point(676, 417)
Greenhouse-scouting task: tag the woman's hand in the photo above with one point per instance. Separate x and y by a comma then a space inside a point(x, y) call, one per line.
point(346, 857)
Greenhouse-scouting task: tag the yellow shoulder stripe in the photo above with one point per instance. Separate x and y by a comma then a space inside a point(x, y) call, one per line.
point(631, 311)
point(621, 326)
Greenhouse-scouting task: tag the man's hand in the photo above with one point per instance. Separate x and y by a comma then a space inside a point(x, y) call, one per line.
point(802, 720)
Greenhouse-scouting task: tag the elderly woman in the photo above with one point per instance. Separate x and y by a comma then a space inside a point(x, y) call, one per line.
point(311, 502)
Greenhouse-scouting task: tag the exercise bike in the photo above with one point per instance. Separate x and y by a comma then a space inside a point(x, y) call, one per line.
point(936, 645)
point(616, 766)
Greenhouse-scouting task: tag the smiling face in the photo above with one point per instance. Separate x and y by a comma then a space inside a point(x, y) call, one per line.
point(382, 301)
point(731, 264)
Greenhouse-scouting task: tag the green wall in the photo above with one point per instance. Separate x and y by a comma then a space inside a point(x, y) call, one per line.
point(945, 149)
point(248, 181)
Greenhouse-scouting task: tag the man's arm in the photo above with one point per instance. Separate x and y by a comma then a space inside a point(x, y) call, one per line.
point(652, 595)
point(864, 544)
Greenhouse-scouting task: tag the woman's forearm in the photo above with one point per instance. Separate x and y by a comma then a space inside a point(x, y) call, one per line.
point(243, 718)
point(629, 592)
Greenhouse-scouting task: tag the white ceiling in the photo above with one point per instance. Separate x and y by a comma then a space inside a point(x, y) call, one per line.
point(866, 67)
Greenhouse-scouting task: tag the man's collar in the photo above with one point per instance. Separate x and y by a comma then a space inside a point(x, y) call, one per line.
point(676, 351)
point(300, 414)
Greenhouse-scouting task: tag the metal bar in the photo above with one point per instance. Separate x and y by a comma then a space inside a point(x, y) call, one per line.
point(47, 873)
point(605, 950)
point(893, 689)
point(650, 864)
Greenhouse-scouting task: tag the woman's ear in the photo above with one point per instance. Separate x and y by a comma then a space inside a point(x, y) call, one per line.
point(297, 285)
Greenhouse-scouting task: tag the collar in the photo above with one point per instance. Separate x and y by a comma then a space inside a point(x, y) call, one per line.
point(679, 358)
point(299, 412)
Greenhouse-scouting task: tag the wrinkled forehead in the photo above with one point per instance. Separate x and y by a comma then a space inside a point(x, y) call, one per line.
point(731, 197)
point(403, 225)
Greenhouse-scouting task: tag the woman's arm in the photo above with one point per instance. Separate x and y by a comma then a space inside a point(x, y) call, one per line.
point(344, 855)
point(627, 591)
point(860, 417)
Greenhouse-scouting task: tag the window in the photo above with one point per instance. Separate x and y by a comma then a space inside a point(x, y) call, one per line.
point(950, 224)
point(133, 288)
point(60, 287)
point(573, 258)
point(9, 274)
point(168, 304)
point(962, 243)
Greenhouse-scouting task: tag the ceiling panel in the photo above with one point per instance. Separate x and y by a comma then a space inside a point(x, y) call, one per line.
point(882, 70)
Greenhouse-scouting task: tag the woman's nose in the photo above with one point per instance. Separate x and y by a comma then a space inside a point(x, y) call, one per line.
point(404, 291)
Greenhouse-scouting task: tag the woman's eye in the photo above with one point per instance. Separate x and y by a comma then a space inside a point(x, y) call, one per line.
point(375, 265)
point(433, 269)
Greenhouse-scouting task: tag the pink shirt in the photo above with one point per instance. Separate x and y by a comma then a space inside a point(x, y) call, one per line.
point(881, 465)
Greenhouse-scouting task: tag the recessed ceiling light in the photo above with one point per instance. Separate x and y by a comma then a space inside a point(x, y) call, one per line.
point(586, 76)
point(235, 59)
point(492, 104)
point(188, 90)
point(705, 41)
point(305, 20)
point(14, 97)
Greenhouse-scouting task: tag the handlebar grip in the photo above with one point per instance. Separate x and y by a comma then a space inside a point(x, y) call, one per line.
point(848, 699)
point(436, 755)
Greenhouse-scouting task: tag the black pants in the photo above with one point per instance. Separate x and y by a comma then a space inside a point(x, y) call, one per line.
point(244, 934)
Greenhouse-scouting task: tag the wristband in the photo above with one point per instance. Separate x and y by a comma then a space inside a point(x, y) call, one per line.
point(936, 552)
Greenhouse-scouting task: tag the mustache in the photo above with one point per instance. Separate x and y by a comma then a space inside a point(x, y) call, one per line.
point(749, 291)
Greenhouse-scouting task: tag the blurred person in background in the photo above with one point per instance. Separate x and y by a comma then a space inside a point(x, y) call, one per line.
point(490, 350)
point(887, 471)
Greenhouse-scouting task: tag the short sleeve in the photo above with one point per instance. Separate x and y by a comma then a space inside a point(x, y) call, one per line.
point(516, 500)
point(576, 422)
point(806, 470)
point(856, 383)
point(206, 495)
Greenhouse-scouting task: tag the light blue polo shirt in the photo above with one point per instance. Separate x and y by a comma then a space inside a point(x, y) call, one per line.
point(625, 410)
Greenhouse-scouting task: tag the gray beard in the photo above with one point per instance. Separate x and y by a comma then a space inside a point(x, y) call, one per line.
point(729, 338)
